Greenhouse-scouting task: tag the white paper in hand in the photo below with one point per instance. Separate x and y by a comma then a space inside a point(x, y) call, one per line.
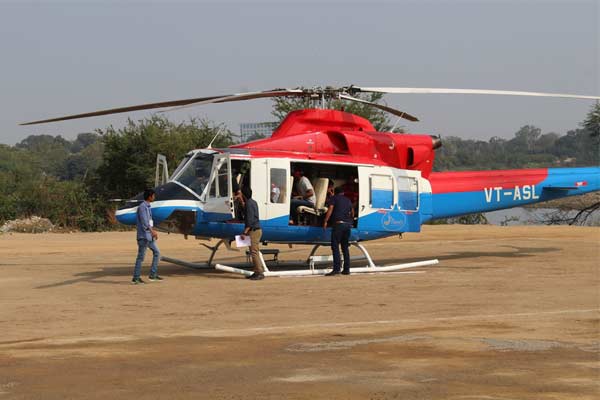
point(239, 242)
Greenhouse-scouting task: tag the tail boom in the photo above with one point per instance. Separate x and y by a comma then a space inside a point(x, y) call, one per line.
point(459, 193)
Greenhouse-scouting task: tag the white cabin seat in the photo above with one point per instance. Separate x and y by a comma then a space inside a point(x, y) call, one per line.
point(320, 189)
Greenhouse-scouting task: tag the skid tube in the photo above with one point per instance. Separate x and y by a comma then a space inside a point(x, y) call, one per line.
point(208, 264)
point(370, 268)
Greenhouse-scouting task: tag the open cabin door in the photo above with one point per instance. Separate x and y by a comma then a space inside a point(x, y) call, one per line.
point(218, 199)
point(278, 181)
point(162, 170)
point(271, 189)
point(388, 201)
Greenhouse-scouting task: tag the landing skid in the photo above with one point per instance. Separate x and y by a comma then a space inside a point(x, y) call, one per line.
point(208, 264)
point(312, 259)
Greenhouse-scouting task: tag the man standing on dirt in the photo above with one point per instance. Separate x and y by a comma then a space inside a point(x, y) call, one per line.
point(252, 228)
point(146, 237)
point(341, 212)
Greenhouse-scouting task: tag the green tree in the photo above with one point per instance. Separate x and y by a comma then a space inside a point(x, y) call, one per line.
point(84, 140)
point(50, 151)
point(130, 153)
point(255, 136)
point(526, 138)
point(592, 120)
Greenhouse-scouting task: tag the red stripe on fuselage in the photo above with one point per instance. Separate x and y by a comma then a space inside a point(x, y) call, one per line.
point(472, 181)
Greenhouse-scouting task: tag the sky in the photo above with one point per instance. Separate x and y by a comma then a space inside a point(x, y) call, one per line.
point(60, 58)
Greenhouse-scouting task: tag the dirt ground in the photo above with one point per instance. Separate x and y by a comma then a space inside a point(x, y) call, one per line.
point(509, 313)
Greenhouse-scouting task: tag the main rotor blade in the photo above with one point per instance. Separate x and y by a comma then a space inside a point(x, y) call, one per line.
point(403, 90)
point(175, 103)
point(397, 113)
point(244, 96)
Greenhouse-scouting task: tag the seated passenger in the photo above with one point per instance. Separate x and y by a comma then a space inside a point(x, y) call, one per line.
point(351, 190)
point(199, 184)
point(304, 194)
point(275, 194)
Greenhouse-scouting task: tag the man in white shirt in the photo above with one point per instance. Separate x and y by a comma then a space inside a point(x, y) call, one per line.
point(275, 193)
point(304, 196)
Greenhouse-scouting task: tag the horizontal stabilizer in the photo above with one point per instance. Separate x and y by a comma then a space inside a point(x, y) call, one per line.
point(559, 188)
point(577, 185)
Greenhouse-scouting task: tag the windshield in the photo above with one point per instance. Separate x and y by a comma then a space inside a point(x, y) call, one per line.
point(180, 166)
point(195, 175)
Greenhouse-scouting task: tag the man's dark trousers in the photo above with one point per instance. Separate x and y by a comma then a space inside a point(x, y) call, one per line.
point(340, 235)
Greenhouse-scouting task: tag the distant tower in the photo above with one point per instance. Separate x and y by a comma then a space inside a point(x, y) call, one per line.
point(253, 129)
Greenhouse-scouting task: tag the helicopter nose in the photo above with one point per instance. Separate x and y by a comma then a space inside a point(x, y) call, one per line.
point(167, 195)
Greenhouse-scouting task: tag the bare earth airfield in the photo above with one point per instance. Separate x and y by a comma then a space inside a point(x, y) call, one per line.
point(509, 313)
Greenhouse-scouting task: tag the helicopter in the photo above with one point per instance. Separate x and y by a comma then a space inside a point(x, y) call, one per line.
point(388, 176)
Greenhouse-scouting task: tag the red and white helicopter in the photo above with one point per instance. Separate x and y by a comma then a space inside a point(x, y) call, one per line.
point(388, 175)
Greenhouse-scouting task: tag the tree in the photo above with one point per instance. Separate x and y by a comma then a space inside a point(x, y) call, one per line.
point(255, 136)
point(527, 137)
point(380, 119)
point(50, 151)
point(129, 156)
point(84, 140)
point(592, 121)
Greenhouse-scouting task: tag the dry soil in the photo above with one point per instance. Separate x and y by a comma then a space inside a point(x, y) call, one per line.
point(509, 313)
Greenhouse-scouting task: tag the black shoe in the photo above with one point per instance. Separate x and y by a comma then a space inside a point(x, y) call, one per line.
point(153, 278)
point(137, 281)
point(256, 277)
point(333, 273)
point(251, 276)
point(346, 272)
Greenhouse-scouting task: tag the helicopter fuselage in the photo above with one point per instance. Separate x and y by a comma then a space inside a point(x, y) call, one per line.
point(388, 177)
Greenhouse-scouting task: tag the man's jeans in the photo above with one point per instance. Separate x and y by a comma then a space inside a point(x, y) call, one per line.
point(297, 203)
point(340, 234)
point(142, 245)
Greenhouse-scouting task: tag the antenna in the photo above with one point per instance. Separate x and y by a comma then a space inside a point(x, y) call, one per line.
point(395, 125)
point(213, 139)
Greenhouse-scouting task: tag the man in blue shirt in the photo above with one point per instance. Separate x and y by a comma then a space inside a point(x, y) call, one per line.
point(341, 213)
point(146, 237)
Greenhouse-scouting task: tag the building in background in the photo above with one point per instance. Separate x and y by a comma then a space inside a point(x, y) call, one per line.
point(256, 130)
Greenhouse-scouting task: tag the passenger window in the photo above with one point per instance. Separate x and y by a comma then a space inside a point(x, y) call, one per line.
point(223, 178)
point(278, 186)
point(381, 191)
point(408, 193)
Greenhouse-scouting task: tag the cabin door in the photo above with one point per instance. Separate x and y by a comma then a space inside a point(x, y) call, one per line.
point(278, 184)
point(407, 212)
point(376, 196)
point(219, 198)
point(389, 200)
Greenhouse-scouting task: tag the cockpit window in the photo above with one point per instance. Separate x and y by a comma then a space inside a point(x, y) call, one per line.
point(181, 165)
point(196, 174)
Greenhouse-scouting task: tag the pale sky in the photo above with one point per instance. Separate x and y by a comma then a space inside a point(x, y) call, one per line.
point(59, 58)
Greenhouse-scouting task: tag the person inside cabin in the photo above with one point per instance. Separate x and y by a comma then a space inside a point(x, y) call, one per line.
point(304, 194)
point(275, 193)
point(199, 184)
point(238, 199)
point(351, 190)
point(330, 191)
